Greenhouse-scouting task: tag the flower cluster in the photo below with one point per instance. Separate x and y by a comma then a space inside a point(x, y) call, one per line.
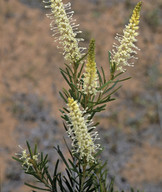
point(26, 158)
point(126, 49)
point(82, 139)
point(65, 29)
point(90, 76)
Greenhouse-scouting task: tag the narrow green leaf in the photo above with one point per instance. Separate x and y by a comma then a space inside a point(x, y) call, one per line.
point(43, 189)
point(35, 149)
point(66, 92)
point(62, 156)
point(118, 74)
point(100, 78)
point(81, 69)
point(56, 168)
point(69, 83)
point(41, 156)
point(70, 179)
point(77, 63)
point(67, 145)
point(103, 73)
point(68, 184)
point(63, 71)
point(68, 73)
point(115, 90)
point(69, 68)
point(107, 90)
point(62, 188)
point(62, 96)
point(17, 159)
point(45, 159)
point(29, 148)
point(104, 85)
point(124, 79)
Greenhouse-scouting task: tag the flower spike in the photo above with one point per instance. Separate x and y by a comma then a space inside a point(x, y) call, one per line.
point(90, 76)
point(82, 139)
point(126, 49)
point(65, 29)
point(25, 157)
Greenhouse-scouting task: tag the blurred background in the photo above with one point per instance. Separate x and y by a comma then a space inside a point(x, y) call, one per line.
point(130, 128)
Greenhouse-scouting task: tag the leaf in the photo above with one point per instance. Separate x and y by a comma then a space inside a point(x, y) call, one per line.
point(81, 69)
point(68, 184)
point(29, 148)
point(115, 90)
point(17, 159)
point(70, 77)
point(69, 68)
point(124, 79)
point(45, 159)
point(104, 85)
point(55, 170)
point(98, 153)
point(63, 97)
point(74, 167)
point(71, 179)
point(32, 186)
point(41, 156)
point(62, 157)
point(89, 182)
point(100, 79)
point(67, 144)
point(118, 74)
point(111, 185)
point(35, 149)
point(107, 90)
point(66, 92)
point(48, 176)
point(77, 62)
point(103, 73)
point(69, 83)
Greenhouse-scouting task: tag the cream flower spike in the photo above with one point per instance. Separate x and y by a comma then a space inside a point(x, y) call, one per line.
point(82, 139)
point(64, 29)
point(126, 49)
point(90, 76)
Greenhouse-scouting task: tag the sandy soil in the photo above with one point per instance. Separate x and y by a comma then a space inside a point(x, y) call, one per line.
point(30, 84)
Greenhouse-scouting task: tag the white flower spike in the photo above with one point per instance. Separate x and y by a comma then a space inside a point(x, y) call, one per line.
point(82, 139)
point(65, 29)
point(126, 50)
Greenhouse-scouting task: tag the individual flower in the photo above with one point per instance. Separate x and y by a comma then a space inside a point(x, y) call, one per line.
point(65, 29)
point(26, 158)
point(90, 76)
point(79, 126)
point(127, 49)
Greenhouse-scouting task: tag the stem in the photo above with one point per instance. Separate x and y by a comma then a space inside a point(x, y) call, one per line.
point(74, 174)
point(40, 175)
point(86, 101)
point(75, 78)
point(112, 76)
point(84, 175)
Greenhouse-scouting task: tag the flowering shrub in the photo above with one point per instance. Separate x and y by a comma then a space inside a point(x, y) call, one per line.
point(88, 93)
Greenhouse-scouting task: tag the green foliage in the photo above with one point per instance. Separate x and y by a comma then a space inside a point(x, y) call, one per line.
point(79, 177)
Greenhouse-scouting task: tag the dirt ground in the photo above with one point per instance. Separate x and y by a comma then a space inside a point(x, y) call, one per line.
point(130, 128)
